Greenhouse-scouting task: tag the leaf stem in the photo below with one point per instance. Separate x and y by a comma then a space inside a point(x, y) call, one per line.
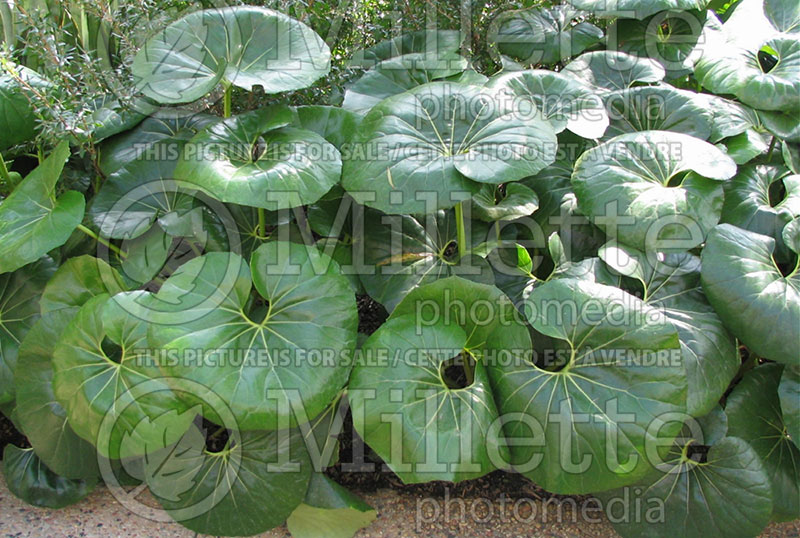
point(226, 100)
point(461, 231)
point(110, 246)
point(4, 173)
point(262, 223)
point(771, 147)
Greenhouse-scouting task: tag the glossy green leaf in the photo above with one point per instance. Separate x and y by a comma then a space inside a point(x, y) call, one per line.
point(724, 493)
point(672, 38)
point(423, 149)
point(139, 194)
point(428, 410)
point(245, 46)
point(613, 70)
point(402, 252)
point(431, 42)
point(753, 200)
point(637, 9)
point(657, 108)
point(252, 485)
point(32, 220)
point(18, 123)
point(746, 146)
point(728, 68)
point(572, 395)
point(757, 303)
point(789, 394)
point(110, 117)
point(100, 357)
point(30, 480)
point(576, 106)
point(329, 510)
point(293, 341)
point(729, 118)
point(41, 416)
point(628, 180)
point(507, 202)
point(754, 414)
point(253, 159)
point(671, 283)
point(544, 35)
point(78, 280)
point(334, 124)
point(19, 309)
point(397, 75)
point(160, 136)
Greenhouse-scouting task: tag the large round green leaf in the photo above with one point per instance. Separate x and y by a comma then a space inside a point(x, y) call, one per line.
point(423, 149)
point(627, 182)
point(613, 70)
point(78, 280)
point(17, 115)
point(19, 309)
point(30, 480)
point(754, 414)
point(638, 9)
point(724, 493)
point(752, 200)
point(253, 159)
point(41, 417)
point(265, 357)
point(728, 68)
point(160, 135)
point(444, 430)
point(397, 75)
point(759, 305)
point(562, 100)
point(789, 393)
point(657, 108)
point(246, 46)
point(504, 202)
point(99, 359)
point(612, 373)
point(671, 283)
point(334, 124)
point(252, 485)
point(729, 118)
point(543, 35)
point(449, 426)
point(669, 37)
point(432, 42)
point(402, 252)
point(32, 221)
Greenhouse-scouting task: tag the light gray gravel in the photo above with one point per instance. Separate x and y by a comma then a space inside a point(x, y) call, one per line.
point(100, 516)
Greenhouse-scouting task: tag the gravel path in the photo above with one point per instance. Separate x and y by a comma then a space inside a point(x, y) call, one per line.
point(400, 514)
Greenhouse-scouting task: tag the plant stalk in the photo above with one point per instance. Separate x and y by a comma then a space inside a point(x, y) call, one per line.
point(771, 147)
point(226, 100)
point(110, 246)
point(4, 173)
point(262, 223)
point(461, 231)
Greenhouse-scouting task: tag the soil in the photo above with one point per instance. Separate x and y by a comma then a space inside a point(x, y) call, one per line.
point(371, 314)
point(10, 435)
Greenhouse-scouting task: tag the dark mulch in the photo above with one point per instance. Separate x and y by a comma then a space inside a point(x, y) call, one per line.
point(371, 314)
point(10, 435)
